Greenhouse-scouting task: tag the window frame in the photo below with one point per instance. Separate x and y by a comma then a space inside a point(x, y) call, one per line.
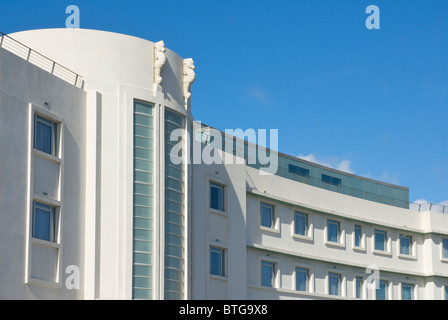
point(54, 125)
point(223, 187)
point(387, 290)
point(412, 255)
point(274, 217)
point(442, 257)
point(340, 235)
point(341, 283)
point(387, 248)
point(308, 280)
point(362, 240)
point(363, 287)
point(223, 253)
point(413, 289)
point(275, 272)
point(54, 221)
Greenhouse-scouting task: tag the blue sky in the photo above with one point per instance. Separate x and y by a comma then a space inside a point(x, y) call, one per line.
point(372, 102)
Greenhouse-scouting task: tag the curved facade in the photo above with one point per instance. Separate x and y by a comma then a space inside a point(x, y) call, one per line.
point(99, 208)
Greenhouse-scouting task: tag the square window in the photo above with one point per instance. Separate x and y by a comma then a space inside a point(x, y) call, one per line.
point(267, 274)
point(380, 240)
point(267, 215)
point(217, 261)
point(44, 222)
point(300, 223)
point(45, 135)
point(405, 244)
point(302, 279)
point(334, 284)
point(358, 235)
point(445, 248)
point(333, 231)
point(216, 196)
point(358, 287)
point(407, 291)
point(381, 292)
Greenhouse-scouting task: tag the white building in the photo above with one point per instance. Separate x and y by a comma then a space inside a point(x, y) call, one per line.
point(93, 205)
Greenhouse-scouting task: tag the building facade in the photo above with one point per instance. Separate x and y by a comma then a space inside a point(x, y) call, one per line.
point(101, 197)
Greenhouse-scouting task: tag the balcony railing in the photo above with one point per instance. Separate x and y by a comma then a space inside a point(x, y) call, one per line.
point(38, 59)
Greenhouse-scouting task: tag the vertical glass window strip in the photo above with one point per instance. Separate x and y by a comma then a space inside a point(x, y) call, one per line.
point(445, 248)
point(446, 292)
point(334, 284)
point(217, 261)
point(300, 223)
point(380, 240)
point(216, 196)
point(302, 278)
point(381, 292)
point(267, 273)
point(44, 222)
point(44, 135)
point(405, 244)
point(267, 215)
point(174, 209)
point(333, 230)
point(358, 235)
point(407, 291)
point(143, 203)
point(358, 287)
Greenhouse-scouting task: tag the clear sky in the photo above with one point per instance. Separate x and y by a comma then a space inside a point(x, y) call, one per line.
point(371, 102)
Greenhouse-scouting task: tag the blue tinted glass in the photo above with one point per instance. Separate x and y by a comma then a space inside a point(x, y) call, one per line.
point(300, 223)
point(267, 273)
point(216, 261)
point(358, 287)
point(445, 248)
point(216, 197)
point(41, 227)
point(266, 215)
point(404, 244)
point(301, 279)
point(406, 291)
point(357, 236)
point(333, 283)
point(381, 291)
point(43, 135)
point(298, 170)
point(331, 180)
point(333, 230)
point(380, 238)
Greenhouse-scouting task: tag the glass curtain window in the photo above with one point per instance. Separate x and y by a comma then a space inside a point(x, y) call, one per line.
point(267, 273)
point(333, 231)
point(407, 291)
point(216, 196)
point(380, 240)
point(302, 276)
point(381, 292)
point(44, 135)
point(143, 201)
point(174, 210)
point(267, 215)
point(445, 248)
point(334, 282)
point(405, 244)
point(358, 284)
point(301, 223)
point(44, 222)
point(217, 261)
point(358, 235)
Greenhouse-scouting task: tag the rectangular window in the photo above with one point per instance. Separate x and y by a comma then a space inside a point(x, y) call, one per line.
point(407, 291)
point(334, 230)
point(381, 292)
point(445, 248)
point(358, 235)
point(45, 135)
point(302, 279)
point(267, 215)
point(44, 222)
point(299, 171)
point(216, 196)
point(405, 244)
point(300, 223)
point(380, 240)
point(358, 287)
point(334, 284)
point(267, 273)
point(217, 261)
point(446, 292)
point(331, 180)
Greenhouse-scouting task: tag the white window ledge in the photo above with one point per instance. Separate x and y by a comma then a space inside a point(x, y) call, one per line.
point(300, 237)
point(382, 253)
point(407, 257)
point(334, 244)
point(271, 230)
point(218, 212)
point(46, 156)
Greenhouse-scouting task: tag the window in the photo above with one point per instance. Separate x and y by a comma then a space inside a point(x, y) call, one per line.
point(358, 236)
point(380, 240)
point(445, 248)
point(405, 244)
point(381, 291)
point(300, 223)
point(331, 180)
point(299, 171)
point(334, 284)
point(217, 261)
point(407, 291)
point(44, 222)
point(446, 292)
point(45, 135)
point(216, 196)
point(333, 231)
point(302, 279)
point(267, 215)
point(267, 273)
point(358, 287)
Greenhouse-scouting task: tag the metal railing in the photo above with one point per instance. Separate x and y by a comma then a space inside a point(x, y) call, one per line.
point(434, 207)
point(38, 59)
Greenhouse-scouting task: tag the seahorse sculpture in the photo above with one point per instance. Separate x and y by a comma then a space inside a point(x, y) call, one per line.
point(189, 77)
point(159, 61)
